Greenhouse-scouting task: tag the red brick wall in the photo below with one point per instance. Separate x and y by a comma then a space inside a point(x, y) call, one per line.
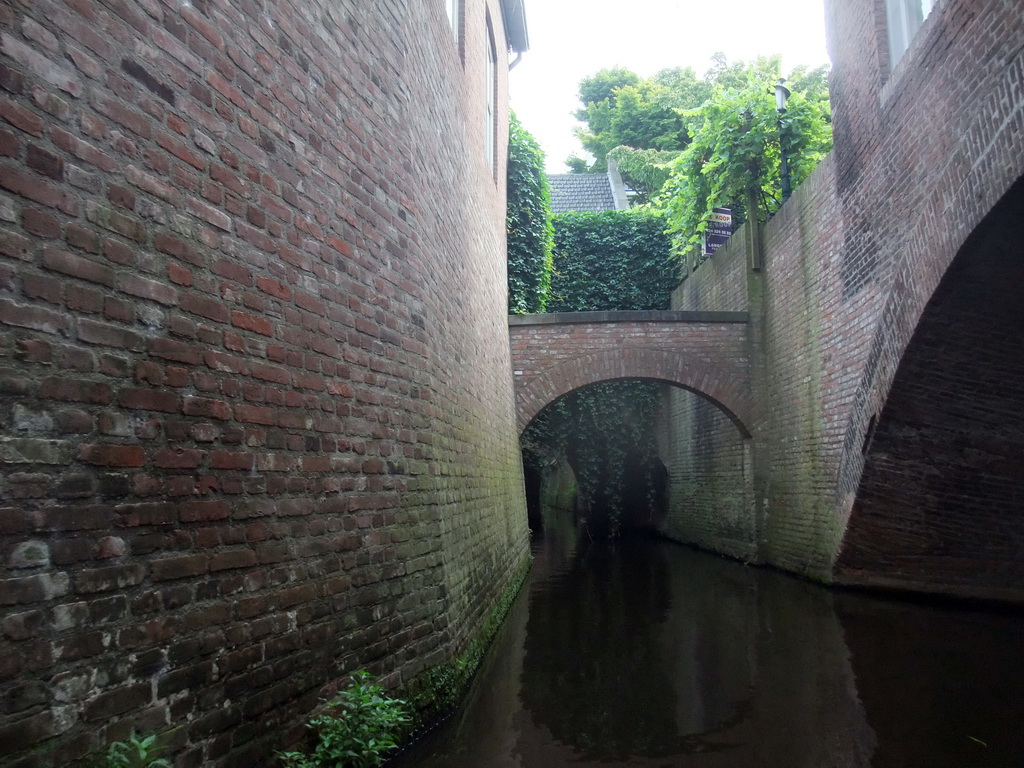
point(710, 493)
point(722, 285)
point(945, 148)
point(554, 354)
point(257, 425)
point(924, 151)
point(939, 501)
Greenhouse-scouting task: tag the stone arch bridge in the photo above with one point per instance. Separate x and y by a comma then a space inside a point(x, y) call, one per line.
point(859, 428)
point(704, 352)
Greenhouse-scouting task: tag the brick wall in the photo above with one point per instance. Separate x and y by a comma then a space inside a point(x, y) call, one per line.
point(710, 493)
point(940, 497)
point(554, 354)
point(924, 151)
point(722, 285)
point(257, 425)
point(947, 147)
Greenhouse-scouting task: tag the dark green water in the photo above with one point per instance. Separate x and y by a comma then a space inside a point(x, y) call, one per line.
point(645, 653)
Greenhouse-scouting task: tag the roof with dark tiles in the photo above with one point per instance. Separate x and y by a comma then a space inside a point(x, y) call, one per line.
point(580, 192)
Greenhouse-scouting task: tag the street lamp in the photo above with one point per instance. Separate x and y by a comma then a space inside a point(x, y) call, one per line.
point(782, 93)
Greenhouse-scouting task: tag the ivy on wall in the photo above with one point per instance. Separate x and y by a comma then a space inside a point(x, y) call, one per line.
point(528, 223)
point(616, 260)
point(613, 260)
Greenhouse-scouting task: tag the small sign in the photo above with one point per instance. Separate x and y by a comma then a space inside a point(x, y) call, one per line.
point(719, 230)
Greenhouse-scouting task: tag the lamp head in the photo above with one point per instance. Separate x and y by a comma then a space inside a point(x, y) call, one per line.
point(782, 94)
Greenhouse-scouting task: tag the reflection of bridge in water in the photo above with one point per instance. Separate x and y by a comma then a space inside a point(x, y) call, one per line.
point(644, 652)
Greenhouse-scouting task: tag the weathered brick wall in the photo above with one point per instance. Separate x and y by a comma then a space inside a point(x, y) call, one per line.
point(940, 497)
point(257, 423)
point(709, 461)
point(710, 494)
point(557, 353)
point(722, 285)
point(809, 348)
point(924, 151)
point(945, 149)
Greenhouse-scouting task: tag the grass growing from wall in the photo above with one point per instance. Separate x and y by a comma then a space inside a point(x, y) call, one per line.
point(437, 691)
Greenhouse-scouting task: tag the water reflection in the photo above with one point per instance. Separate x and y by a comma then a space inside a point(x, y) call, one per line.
point(644, 653)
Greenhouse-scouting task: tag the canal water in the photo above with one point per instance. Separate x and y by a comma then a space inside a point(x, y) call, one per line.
point(649, 654)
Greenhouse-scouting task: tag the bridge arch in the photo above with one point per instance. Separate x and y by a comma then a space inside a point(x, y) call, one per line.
point(939, 501)
point(716, 383)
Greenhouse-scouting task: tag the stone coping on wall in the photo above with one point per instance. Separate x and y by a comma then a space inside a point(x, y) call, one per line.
point(635, 316)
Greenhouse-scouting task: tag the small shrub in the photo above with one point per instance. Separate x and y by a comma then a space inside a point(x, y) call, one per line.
point(135, 752)
point(356, 730)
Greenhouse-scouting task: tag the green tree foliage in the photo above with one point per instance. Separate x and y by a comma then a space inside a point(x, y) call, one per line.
point(645, 124)
point(617, 260)
point(735, 145)
point(646, 169)
point(611, 260)
point(528, 223)
point(621, 108)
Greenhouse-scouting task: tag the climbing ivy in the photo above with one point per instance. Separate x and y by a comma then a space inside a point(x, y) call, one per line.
point(528, 223)
point(604, 433)
point(617, 260)
point(612, 260)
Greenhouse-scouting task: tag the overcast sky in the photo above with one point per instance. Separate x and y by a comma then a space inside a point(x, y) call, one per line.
point(570, 39)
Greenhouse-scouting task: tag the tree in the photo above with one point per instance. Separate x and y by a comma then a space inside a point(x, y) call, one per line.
point(736, 137)
point(620, 108)
point(528, 223)
point(643, 123)
point(646, 170)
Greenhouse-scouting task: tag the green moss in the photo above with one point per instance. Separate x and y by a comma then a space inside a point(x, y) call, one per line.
point(438, 689)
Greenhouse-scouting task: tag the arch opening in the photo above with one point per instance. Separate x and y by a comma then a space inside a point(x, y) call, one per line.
point(684, 474)
point(940, 500)
point(726, 385)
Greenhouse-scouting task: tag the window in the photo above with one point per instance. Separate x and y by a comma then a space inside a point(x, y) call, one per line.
point(452, 6)
point(904, 18)
point(490, 84)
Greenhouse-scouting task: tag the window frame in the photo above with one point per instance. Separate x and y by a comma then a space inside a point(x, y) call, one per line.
point(904, 18)
point(454, 10)
point(491, 98)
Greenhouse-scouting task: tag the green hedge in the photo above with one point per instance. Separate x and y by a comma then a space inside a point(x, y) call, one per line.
point(614, 260)
point(528, 223)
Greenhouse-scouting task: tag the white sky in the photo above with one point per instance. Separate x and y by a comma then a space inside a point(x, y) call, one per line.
point(570, 39)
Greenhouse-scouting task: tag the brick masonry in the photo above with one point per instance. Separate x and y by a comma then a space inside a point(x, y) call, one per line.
point(257, 420)
point(888, 451)
point(554, 354)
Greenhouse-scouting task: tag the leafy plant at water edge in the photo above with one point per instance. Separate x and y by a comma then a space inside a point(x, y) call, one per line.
point(356, 729)
point(528, 223)
point(135, 752)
